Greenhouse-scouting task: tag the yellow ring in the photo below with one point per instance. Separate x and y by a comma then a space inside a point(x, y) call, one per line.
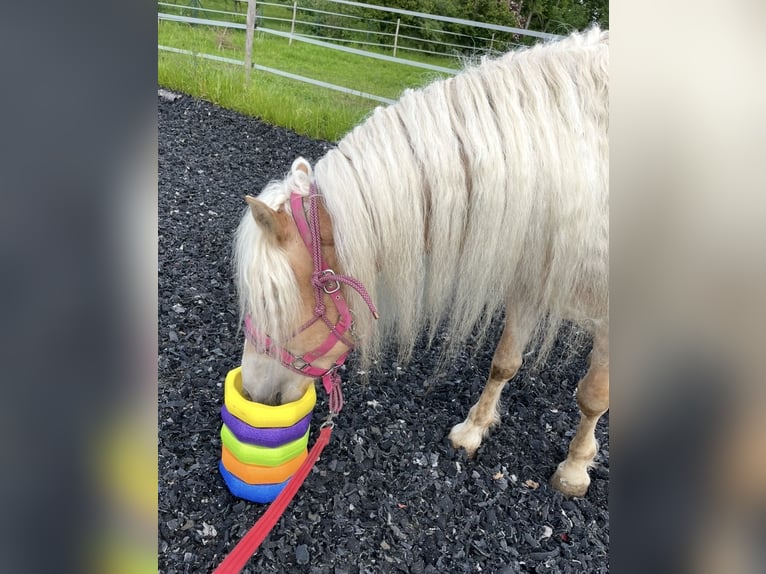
point(260, 415)
point(262, 455)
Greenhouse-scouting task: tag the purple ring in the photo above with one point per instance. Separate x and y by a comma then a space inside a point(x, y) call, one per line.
point(269, 437)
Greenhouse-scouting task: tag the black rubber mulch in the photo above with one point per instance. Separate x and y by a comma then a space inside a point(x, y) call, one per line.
point(389, 494)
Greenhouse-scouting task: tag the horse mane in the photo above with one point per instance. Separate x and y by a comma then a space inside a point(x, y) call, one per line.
point(487, 187)
point(265, 281)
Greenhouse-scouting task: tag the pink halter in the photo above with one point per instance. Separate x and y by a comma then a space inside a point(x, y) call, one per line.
point(325, 281)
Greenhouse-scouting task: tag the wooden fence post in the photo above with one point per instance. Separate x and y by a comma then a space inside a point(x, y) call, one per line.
point(292, 24)
point(396, 35)
point(249, 38)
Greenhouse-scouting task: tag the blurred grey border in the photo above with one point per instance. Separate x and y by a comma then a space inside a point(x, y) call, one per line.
point(78, 261)
point(687, 432)
point(78, 267)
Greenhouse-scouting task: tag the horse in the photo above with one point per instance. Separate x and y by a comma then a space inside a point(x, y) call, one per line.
point(481, 195)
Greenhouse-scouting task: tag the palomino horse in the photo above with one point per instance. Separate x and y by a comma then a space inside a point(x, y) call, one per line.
point(481, 192)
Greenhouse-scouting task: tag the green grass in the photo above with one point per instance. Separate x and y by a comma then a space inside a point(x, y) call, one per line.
point(309, 110)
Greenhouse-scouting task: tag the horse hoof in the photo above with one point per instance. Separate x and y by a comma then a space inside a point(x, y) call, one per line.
point(568, 487)
point(465, 436)
point(469, 454)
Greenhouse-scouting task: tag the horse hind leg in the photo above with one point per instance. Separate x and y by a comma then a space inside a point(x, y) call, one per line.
point(571, 477)
point(483, 415)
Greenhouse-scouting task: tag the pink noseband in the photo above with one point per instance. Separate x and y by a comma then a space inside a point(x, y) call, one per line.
point(325, 282)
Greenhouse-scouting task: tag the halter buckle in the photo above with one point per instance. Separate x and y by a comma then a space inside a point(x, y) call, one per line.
point(333, 286)
point(299, 364)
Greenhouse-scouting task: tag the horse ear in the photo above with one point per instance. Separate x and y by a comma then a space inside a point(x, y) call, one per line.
point(267, 219)
point(301, 164)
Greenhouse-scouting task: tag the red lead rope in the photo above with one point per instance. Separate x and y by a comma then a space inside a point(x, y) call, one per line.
point(245, 548)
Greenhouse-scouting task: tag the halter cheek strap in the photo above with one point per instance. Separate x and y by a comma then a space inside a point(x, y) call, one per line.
point(324, 282)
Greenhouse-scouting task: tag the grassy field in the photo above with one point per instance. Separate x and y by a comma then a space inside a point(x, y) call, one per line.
point(313, 111)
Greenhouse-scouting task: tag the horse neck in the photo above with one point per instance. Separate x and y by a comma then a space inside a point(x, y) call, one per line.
point(327, 238)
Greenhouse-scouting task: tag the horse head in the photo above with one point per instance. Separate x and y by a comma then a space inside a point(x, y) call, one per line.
point(285, 301)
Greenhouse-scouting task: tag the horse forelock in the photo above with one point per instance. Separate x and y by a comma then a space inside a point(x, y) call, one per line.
point(266, 284)
point(486, 187)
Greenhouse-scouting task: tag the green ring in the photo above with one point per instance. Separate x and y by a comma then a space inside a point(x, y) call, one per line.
point(261, 455)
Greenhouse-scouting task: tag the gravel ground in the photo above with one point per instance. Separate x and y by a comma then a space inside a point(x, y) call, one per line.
point(389, 494)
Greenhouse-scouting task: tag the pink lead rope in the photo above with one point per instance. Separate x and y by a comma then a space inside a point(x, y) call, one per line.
point(326, 281)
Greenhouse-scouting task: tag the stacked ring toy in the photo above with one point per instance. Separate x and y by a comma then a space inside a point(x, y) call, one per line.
point(261, 446)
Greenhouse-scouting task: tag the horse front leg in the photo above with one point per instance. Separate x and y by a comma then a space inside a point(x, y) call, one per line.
point(483, 415)
point(571, 477)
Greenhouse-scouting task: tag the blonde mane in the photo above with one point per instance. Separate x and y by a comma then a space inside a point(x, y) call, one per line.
point(488, 187)
point(265, 281)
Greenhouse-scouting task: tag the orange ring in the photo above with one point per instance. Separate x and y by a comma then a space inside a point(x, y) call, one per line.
point(256, 474)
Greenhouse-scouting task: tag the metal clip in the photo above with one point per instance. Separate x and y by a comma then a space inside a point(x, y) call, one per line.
point(328, 422)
